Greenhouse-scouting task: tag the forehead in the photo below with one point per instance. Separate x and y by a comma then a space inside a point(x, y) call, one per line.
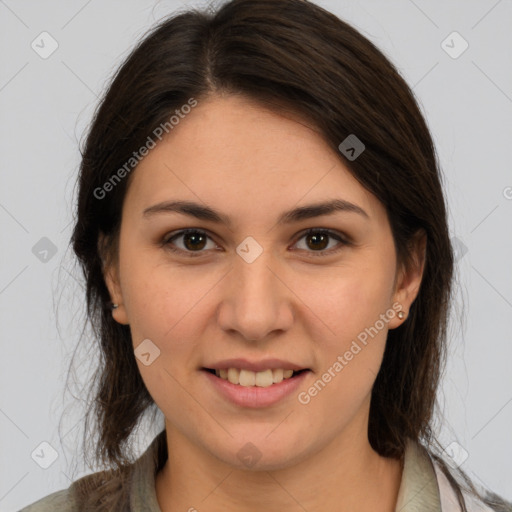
point(235, 154)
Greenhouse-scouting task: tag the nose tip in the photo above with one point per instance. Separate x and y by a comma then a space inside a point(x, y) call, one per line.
point(256, 301)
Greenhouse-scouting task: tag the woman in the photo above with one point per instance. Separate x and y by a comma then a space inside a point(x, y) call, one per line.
point(263, 234)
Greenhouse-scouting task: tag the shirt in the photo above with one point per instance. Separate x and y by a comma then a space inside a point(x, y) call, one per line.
point(423, 487)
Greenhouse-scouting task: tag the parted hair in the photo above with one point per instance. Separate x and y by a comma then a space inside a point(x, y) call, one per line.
point(290, 56)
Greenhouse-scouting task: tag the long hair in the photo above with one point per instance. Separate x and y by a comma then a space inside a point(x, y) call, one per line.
point(290, 56)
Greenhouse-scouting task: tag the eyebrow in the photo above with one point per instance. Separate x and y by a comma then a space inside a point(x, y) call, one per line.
point(297, 214)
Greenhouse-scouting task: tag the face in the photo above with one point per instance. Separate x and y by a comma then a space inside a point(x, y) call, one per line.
point(256, 286)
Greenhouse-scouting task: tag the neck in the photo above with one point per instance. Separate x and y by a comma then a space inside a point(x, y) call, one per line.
point(345, 475)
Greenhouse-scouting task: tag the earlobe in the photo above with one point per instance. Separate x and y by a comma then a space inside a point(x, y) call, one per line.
point(114, 288)
point(119, 314)
point(399, 317)
point(111, 276)
point(409, 278)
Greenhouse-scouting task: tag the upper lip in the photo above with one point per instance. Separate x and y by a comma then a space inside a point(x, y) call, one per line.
point(255, 366)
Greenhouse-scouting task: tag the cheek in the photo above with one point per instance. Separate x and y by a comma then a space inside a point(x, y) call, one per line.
point(162, 300)
point(170, 307)
point(165, 308)
point(348, 299)
point(164, 305)
point(352, 311)
point(159, 296)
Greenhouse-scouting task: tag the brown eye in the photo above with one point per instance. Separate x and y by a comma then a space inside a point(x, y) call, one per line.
point(317, 240)
point(193, 241)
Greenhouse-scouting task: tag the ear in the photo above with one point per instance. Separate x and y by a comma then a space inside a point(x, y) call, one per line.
point(409, 277)
point(110, 268)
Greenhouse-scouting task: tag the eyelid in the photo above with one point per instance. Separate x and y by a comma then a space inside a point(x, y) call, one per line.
point(343, 240)
point(181, 232)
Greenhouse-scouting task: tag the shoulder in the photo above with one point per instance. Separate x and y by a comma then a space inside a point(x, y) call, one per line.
point(448, 497)
point(88, 492)
point(427, 485)
point(129, 488)
point(60, 501)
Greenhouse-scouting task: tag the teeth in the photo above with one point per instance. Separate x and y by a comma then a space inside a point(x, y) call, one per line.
point(263, 379)
point(233, 375)
point(247, 378)
point(277, 375)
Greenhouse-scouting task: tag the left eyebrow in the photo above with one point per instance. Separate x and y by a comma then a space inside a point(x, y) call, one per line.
point(297, 214)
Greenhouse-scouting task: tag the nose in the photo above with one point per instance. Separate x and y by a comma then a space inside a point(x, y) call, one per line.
point(256, 299)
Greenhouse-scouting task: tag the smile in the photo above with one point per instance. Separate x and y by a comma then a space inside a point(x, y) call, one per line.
point(248, 378)
point(246, 388)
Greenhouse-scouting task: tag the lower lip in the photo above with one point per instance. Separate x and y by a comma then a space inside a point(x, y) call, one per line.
point(256, 396)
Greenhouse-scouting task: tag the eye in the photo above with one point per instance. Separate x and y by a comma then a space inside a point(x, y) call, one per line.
point(318, 239)
point(194, 240)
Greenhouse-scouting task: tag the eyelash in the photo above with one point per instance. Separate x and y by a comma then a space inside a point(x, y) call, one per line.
point(193, 254)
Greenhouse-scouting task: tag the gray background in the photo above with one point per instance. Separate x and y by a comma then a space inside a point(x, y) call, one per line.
point(46, 104)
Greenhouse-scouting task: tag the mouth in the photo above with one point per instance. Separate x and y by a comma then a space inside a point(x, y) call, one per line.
point(247, 378)
point(261, 389)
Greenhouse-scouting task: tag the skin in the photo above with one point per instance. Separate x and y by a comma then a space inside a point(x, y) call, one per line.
point(253, 164)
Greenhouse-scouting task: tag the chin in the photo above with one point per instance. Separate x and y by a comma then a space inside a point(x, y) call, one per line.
point(261, 453)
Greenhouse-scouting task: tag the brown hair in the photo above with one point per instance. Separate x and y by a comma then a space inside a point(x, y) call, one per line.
point(294, 56)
